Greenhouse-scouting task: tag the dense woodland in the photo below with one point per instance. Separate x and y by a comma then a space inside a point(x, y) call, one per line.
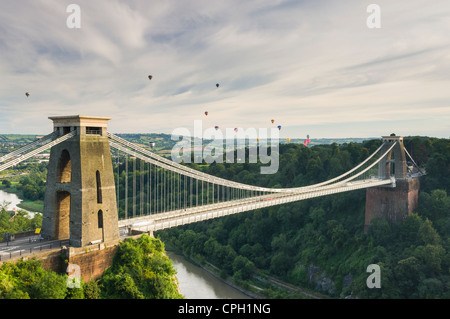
point(319, 243)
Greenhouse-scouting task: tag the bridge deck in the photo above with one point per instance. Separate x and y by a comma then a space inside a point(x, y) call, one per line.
point(195, 214)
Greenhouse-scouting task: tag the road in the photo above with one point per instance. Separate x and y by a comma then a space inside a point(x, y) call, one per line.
point(26, 246)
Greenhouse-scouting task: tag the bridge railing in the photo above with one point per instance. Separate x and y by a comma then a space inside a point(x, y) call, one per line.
point(16, 253)
point(30, 154)
point(173, 219)
point(28, 147)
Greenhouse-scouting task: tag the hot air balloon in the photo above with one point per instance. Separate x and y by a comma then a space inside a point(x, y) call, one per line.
point(288, 140)
point(27, 94)
point(307, 136)
point(235, 129)
point(308, 141)
point(216, 127)
point(206, 113)
point(279, 127)
point(150, 77)
point(304, 143)
point(217, 84)
point(272, 121)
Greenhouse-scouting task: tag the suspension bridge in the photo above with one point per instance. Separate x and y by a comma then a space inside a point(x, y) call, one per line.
point(101, 186)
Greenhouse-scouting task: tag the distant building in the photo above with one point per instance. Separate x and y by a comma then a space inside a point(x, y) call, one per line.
point(45, 156)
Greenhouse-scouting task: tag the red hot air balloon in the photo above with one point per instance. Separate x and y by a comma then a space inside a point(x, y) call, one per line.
point(206, 113)
point(216, 127)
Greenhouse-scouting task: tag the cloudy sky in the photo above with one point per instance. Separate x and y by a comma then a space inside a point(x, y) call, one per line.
point(312, 65)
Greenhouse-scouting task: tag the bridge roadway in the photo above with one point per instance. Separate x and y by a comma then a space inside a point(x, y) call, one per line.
point(195, 214)
point(30, 245)
point(27, 246)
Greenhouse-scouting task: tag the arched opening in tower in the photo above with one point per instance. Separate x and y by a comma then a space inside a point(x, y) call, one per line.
point(99, 187)
point(100, 225)
point(64, 172)
point(62, 216)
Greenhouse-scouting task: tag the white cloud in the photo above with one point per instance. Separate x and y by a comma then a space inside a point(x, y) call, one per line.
point(306, 63)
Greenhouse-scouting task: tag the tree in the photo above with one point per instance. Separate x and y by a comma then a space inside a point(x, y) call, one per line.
point(428, 234)
point(336, 233)
point(243, 268)
point(314, 170)
point(7, 183)
point(140, 270)
point(410, 228)
point(28, 280)
point(317, 216)
point(91, 290)
point(435, 205)
point(50, 286)
point(380, 230)
point(16, 294)
point(431, 256)
point(408, 273)
point(280, 263)
point(430, 288)
point(120, 286)
point(438, 172)
point(211, 247)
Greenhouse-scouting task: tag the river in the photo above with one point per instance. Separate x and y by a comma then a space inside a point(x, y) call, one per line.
point(197, 283)
point(10, 198)
point(13, 200)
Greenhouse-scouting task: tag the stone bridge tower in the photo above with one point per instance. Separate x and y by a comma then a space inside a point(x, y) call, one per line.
point(395, 202)
point(80, 199)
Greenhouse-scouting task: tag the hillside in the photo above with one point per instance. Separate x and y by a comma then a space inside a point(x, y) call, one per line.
point(320, 243)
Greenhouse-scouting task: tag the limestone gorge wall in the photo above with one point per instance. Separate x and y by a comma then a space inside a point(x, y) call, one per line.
point(322, 283)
